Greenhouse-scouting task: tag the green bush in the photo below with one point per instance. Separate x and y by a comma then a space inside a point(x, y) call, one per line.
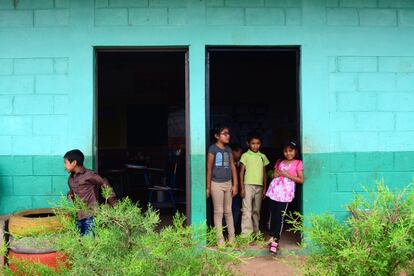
point(125, 242)
point(377, 238)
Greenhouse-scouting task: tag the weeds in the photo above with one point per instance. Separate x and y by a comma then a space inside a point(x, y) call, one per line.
point(377, 239)
point(125, 242)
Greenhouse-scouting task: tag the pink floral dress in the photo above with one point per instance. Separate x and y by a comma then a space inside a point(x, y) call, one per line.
point(282, 189)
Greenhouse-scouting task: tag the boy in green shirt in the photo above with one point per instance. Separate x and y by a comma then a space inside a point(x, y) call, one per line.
point(253, 184)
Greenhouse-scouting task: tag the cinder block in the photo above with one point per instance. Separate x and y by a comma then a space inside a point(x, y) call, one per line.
point(342, 17)
point(377, 17)
point(225, 16)
point(168, 3)
point(111, 17)
point(16, 84)
point(374, 161)
point(128, 3)
point(48, 165)
point(60, 144)
point(6, 185)
point(31, 145)
point(33, 66)
point(396, 3)
point(6, 105)
point(60, 104)
point(33, 104)
point(11, 204)
point(284, 3)
point(406, 18)
point(358, 141)
point(377, 82)
point(244, 3)
point(358, 3)
point(6, 145)
point(177, 16)
point(16, 165)
point(342, 162)
point(396, 64)
point(60, 185)
point(148, 16)
point(32, 185)
point(356, 101)
point(395, 141)
point(61, 65)
point(52, 84)
point(6, 66)
point(395, 101)
point(342, 121)
point(14, 18)
point(293, 16)
point(88, 162)
point(34, 4)
point(343, 199)
point(375, 121)
point(16, 125)
point(332, 63)
point(53, 17)
point(62, 4)
point(101, 3)
point(50, 201)
point(356, 182)
point(343, 82)
point(404, 161)
point(332, 3)
point(265, 16)
point(396, 181)
point(215, 3)
point(405, 82)
point(404, 121)
point(357, 64)
point(50, 125)
point(6, 5)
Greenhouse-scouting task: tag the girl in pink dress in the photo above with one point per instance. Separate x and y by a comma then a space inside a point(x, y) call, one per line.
point(287, 173)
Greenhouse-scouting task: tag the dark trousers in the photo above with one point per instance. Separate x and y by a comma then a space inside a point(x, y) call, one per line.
point(277, 211)
point(236, 210)
point(85, 226)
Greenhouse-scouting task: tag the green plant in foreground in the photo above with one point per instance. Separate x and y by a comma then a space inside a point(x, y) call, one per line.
point(125, 242)
point(377, 239)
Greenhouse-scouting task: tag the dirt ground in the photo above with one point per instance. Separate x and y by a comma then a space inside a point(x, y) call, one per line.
point(269, 265)
point(285, 263)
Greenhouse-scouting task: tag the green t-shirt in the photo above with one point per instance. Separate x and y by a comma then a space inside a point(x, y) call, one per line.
point(254, 163)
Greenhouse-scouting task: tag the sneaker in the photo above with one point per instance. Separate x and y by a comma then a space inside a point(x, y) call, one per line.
point(273, 247)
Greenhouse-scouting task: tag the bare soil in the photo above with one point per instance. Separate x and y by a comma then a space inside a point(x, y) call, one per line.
point(270, 265)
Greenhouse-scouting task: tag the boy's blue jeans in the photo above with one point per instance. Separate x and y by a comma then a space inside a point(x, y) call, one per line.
point(85, 226)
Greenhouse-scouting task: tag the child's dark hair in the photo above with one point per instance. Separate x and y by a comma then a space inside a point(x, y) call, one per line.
point(218, 129)
point(235, 147)
point(73, 155)
point(290, 144)
point(254, 135)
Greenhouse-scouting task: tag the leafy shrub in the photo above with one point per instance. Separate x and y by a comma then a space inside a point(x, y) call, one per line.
point(125, 242)
point(377, 239)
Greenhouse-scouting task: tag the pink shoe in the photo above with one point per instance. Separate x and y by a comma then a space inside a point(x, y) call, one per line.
point(273, 247)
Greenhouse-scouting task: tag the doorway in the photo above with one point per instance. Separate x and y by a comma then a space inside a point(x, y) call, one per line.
point(255, 89)
point(141, 125)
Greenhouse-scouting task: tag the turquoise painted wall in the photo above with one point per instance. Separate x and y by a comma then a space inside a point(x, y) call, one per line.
point(357, 85)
